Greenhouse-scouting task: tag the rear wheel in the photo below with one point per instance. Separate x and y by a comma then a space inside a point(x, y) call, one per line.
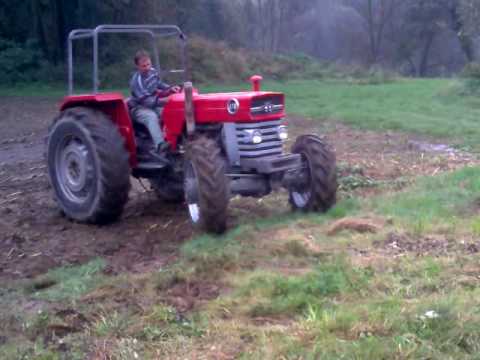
point(205, 185)
point(88, 166)
point(318, 192)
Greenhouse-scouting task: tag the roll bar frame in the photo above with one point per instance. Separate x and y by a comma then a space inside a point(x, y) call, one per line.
point(154, 31)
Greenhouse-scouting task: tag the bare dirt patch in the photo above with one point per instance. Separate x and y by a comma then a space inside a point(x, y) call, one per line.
point(184, 296)
point(390, 155)
point(34, 237)
point(367, 159)
point(355, 224)
point(400, 243)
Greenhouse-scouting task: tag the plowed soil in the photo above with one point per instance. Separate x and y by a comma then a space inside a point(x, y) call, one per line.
point(35, 237)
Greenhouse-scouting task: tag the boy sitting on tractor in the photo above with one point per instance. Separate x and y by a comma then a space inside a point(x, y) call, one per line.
point(146, 103)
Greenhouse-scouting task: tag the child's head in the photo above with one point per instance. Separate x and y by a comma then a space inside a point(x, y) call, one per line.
point(143, 61)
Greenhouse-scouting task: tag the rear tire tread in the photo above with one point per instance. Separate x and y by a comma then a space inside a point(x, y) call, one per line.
point(112, 157)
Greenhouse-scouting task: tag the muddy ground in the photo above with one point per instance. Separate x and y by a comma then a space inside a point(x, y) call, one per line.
point(35, 237)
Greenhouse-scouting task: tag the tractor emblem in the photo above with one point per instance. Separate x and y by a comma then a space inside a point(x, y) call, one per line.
point(232, 106)
point(268, 108)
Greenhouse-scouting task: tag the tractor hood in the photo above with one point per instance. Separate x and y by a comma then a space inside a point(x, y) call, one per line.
point(230, 107)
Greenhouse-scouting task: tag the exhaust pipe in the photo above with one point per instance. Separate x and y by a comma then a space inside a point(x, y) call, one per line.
point(256, 81)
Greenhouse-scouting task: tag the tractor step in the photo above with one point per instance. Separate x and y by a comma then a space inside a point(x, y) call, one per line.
point(273, 164)
point(151, 165)
point(149, 169)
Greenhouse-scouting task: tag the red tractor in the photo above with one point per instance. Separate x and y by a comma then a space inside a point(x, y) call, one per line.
point(221, 145)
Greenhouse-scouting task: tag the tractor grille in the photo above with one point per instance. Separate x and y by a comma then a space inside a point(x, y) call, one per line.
point(266, 105)
point(270, 145)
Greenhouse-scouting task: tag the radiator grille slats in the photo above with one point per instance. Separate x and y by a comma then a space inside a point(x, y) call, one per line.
point(270, 145)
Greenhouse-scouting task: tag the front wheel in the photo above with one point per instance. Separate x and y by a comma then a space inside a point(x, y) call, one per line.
point(318, 193)
point(205, 185)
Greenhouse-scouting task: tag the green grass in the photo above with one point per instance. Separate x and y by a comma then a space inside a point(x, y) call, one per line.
point(54, 91)
point(27, 317)
point(408, 105)
point(384, 320)
point(405, 307)
point(374, 314)
point(34, 90)
point(68, 283)
point(288, 295)
point(444, 199)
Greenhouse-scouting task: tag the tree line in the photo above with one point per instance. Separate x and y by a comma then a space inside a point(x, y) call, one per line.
point(414, 37)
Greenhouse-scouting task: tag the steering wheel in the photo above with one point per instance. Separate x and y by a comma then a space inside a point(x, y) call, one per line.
point(167, 92)
point(178, 86)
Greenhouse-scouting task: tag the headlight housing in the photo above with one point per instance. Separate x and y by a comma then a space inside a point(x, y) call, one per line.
point(253, 136)
point(282, 131)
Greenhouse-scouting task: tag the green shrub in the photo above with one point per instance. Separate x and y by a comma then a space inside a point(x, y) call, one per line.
point(20, 62)
point(208, 61)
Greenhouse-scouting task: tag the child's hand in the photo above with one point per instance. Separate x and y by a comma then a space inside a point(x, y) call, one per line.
point(175, 89)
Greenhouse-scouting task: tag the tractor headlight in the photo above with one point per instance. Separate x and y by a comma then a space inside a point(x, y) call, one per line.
point(257, 137)
point(282, 132)
point(253, 136)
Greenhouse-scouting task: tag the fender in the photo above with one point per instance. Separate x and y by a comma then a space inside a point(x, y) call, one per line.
point(115, 106)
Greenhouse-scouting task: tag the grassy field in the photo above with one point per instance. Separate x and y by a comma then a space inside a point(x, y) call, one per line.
point(290, 287)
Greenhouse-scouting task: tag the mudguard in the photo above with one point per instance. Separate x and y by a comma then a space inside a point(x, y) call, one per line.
point(115, 106)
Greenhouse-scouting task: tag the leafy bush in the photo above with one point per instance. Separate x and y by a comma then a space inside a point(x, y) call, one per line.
point(208, 61)
point(20, 62)
point(215, 61)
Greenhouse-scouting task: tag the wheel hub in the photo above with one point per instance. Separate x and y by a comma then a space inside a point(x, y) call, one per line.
point(301, 198)
point(75, 166)
point(191, 192)
point(194, 212)
point(74, 170)
point(302, 192)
